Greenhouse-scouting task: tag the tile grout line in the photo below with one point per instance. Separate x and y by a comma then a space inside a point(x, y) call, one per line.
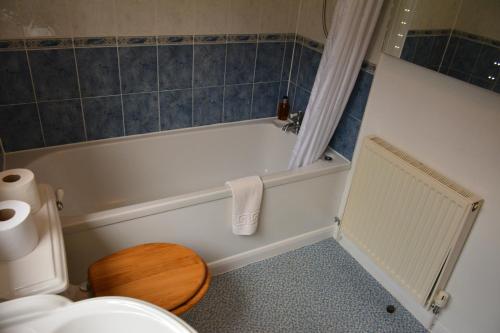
point(79, 92)
point(192, 86)
point(224, 84)
point(254, 71)
point(158, 84)
point(35, 96)
point(120, 82)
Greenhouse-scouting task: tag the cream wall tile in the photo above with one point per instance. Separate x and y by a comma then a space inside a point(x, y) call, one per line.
point(211, 16)
point(10, 20)
point(45, 18)
point(244, 16)
point(310, 22)
point(93, 17)
point(275, 16)
point(136, 17)
point(175, 17)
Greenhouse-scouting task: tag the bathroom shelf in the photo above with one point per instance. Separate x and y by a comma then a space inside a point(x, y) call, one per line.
point(44, 270)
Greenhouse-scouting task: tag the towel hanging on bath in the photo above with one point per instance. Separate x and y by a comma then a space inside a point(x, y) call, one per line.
point(247, 198)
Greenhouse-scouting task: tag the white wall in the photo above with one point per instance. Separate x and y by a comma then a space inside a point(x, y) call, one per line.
point(454, 127)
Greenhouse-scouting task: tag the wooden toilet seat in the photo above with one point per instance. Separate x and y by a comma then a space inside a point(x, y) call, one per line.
point(168, 275)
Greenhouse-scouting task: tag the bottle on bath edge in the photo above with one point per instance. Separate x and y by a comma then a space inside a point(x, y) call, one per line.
point(283, 109)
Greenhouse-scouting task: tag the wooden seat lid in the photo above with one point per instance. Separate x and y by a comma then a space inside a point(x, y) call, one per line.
point(167, 275)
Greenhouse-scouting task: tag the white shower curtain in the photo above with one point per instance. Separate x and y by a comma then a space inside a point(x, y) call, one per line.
point(350, 33)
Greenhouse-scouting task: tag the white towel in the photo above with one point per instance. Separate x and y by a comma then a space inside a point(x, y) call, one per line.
point(247, 197)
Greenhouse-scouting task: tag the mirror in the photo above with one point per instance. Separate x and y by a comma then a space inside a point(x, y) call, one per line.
point(459, 38)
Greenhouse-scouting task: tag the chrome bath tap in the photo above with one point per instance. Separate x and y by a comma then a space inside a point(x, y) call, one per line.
point(294, 122)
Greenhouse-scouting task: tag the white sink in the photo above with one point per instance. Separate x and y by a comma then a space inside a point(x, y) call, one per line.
point(56, 314)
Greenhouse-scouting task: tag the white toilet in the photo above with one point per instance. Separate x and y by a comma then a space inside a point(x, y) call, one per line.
point(27, 286)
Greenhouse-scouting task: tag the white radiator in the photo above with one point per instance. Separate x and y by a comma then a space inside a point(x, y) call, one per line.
point(412, 221)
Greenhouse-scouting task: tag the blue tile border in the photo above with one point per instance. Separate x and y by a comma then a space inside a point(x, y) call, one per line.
point(251, 38)
point(210, 39)
point(175, 40)
point(12, 44)
point(84, 42)
point(137, 41)
point(53, 43)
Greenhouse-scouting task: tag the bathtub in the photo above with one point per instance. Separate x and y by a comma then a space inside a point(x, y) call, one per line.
point(169, 187)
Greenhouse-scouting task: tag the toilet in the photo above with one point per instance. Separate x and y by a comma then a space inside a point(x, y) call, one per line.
point(170, 276)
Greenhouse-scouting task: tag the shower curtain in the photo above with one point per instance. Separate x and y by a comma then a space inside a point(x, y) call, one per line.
point(350, 33)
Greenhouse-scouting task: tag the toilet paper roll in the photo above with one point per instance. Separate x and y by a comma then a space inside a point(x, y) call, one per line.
point(20, 184)
point(18, 233)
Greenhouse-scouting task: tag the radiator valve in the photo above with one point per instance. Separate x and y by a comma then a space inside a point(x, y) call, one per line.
point(440, 301)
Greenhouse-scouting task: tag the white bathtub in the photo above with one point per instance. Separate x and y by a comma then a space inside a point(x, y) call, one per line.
point(169, 187)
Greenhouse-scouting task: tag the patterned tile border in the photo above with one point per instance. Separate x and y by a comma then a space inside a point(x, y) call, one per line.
point(94, 41)
point(12, 44)
point(368, 67)
point(210, 39)
point(175, 40)
point(111, 41)
point(313, 45)
point(51, 43)
point(272, 37)
point(251, 38)
point(137, 41)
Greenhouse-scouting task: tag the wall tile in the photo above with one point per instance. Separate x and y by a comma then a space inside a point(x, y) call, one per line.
point(209, 64)
point(438, 50)
point(423, 51)
point(345, 136)
point(62, 122)
point(483, 83)
point(287, 60)
point(449, 54)
point(409, 49)
point(269, 62)
point(98, 71)
point(484, 65)
point(465, 56)
point(2, 156)
point(176, 109)
point(301, 100)
point(136, 17)
point(103, 117)
point(15, 80)
point(240, 62)
point(207, 106)
point(211, 17)
point(91, 18)
point(141, 113)
point(10, 25)
point(294, 73)
point(459, 75)
point(237, 102)
point(309, 63)
point(244, 16)
point(291, 96)
point(175, 66)
point(20, 127)
point(279, 15)
point(45, 18)
point(359, 96)
point(54, 74)
point(138, 69)
point(265, 100)
point(175, 17)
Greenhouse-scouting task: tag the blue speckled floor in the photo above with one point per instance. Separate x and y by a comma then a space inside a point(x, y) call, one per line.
point(318, 288)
